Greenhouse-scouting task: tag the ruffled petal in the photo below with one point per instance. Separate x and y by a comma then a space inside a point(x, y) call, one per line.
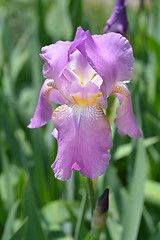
point(84, 137)
point(111, 56)
point(43, 111)
point(125, 119)
point(118, 53)
point(56, 57)
point(56, 60)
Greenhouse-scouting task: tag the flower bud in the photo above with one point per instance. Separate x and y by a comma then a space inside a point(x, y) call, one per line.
point(101, 210)
point(118, 20)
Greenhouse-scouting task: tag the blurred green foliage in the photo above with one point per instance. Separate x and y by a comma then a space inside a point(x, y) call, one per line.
point(33, 204)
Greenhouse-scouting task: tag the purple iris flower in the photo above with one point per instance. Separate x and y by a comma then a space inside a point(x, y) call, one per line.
point(118, 20)
point(80, 76)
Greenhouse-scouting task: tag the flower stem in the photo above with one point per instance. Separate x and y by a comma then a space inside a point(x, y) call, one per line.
point(91, 194)
point(96, 233)
point(81, 216)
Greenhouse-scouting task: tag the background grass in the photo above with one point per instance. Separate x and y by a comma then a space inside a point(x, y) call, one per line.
point(33, 204)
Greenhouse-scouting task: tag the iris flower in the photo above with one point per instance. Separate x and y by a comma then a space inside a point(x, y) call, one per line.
point(118, 20)
point(80, 77)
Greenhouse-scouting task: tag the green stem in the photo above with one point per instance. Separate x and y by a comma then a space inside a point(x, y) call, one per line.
point(96, 234)
point(81, 217)
point(91, 194)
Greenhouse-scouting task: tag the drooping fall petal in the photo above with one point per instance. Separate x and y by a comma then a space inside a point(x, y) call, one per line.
point(43, 111)
point(84, 137)
point(125, 119)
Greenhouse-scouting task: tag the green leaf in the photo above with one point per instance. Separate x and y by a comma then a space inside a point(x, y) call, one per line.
point(6, 181)
point(76, 13)
point(80, 221)
point(20, 53)
point(56, 212)
point(156, 234)
point(89, 236)
point(8, 228)
point(126, 149)
point(64, 238)
point(114, 229)
point(59, 28)
point(20, 233)
point(152, 192)
point(10, 138)
point(134, 206)
point(2, 210)
point(34, 229)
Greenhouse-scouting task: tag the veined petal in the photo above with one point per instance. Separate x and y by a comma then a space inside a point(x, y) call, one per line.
point(125, 120)
point(111, 56)
point(118, 54)
point(56, 60)
point(91, 87)
point(101, 102)
point(75, 87)
point(57, 97)
point(43, 111)
point(56, 57)
point(82, 146)
point(79, 65)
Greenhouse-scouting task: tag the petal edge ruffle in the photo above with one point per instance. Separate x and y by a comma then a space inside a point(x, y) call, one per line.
point(82, 146)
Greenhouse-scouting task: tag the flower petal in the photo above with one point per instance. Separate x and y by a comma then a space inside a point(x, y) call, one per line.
point(82, 146)
point(111, 56)
point(80, 66)
point(80, 37)
point(55, 133)
point(56, 60)
point(101, 102)
point(43, 111)
point(125, 120)
point(57, 97)
point(56, 57)
point(91, 87)
point(118, 53)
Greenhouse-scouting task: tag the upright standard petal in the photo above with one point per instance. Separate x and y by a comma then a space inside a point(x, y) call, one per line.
point(79, 65)
point(56, 57)
point(111, 56)
point(56, 60)
point(118, 52)
point(84, 137)
point(43, 111)
point(125, 119)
